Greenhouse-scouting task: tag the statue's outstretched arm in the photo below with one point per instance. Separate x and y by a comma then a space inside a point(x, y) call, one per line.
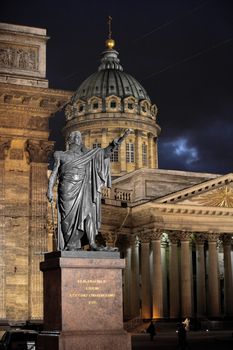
point(53, 176)
point(115, 143)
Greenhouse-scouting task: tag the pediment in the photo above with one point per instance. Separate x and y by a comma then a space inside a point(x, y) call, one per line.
point(217, 192)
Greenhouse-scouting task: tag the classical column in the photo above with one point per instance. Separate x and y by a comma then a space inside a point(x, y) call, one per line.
point(38, 153)
point(134, 287)
point(228, 285)
point(157, 282)
point(174, 290)
point(213, 299)
point(138, 149)
point(122, 155)
point(4, 146)
point(88, 139)
point(104, 142)
point(200, 275)
point(145, 275)
point(185, 272)
point(151, 155)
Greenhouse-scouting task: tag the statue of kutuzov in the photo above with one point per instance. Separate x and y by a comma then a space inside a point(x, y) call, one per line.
point(81, 173)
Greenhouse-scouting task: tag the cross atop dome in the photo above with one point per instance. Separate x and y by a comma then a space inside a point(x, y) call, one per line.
point(110, 43)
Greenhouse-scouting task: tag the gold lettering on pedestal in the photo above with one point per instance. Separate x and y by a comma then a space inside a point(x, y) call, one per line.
point(91, 281)
point(90, 290)
point(91, 295)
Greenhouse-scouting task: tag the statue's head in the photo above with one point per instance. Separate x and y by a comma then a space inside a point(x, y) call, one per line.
point(75, 137)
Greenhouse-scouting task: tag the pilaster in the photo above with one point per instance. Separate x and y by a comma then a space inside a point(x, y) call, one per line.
point(38, 240)
point(4, 146)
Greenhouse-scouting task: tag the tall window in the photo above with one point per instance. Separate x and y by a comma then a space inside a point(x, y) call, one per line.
point(130, 152)
point(80, 108)
point(144, 154)
point(95, 105)
point(114, 156)
point(96, 145)
point(113, 104)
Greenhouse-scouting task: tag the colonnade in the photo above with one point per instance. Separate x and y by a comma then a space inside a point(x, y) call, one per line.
point(191, 268)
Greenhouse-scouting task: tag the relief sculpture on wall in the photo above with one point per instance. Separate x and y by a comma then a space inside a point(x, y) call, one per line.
point(18, 57)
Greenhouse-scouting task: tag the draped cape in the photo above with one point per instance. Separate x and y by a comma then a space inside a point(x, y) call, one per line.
point(79, 193)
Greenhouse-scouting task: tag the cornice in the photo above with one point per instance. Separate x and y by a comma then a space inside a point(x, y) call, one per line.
point(180, 209)
point(32, 99)
point(196, 189)
point(35, 90)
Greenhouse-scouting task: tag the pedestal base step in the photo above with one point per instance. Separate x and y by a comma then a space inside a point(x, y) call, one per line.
point(91, 340)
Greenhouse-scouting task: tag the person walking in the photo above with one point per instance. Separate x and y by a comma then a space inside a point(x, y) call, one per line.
point(151, 330)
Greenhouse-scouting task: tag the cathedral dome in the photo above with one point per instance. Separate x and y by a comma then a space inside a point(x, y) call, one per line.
point(110, 80)
point(110, 90)
point(108, 102)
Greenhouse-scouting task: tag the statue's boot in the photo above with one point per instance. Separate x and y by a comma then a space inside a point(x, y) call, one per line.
point(95, 247)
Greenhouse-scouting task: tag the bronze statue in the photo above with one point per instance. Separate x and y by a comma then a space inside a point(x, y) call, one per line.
point(81, 174)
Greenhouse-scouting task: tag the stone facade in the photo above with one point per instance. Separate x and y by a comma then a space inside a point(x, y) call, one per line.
point(183, 238)
point(173, 228)
point(26, 105)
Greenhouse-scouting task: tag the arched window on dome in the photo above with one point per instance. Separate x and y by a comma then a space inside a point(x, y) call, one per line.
point(145, 107)
point(80, 105)
point(95, 104)
point(130, 104)
point(154, 111)
point(144, 154)
point(130, 156)
point(113, 103)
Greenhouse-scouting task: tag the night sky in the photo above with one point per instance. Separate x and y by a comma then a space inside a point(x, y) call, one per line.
point(181, 51)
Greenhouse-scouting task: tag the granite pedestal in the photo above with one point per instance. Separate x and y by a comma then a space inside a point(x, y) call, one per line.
point(83, 302)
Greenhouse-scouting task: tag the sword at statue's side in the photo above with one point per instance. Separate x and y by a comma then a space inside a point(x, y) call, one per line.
point(53, 224)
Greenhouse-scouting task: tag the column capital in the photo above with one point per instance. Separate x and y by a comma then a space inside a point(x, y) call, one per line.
point(200, 238)
point(156, 234)
point(173, 237)
point(133, 240)
point(110, 237)
point(39, 150)
point(150, 135)
point(212, 236)
point(4, 146)
point(123, 241)
point(145, 237)
point(184, 236)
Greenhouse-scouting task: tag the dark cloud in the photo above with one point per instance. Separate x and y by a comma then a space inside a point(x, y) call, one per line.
point(204, 150)
point(181, 51)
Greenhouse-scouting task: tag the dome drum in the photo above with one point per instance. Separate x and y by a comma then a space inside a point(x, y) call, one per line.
point(110, 104)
